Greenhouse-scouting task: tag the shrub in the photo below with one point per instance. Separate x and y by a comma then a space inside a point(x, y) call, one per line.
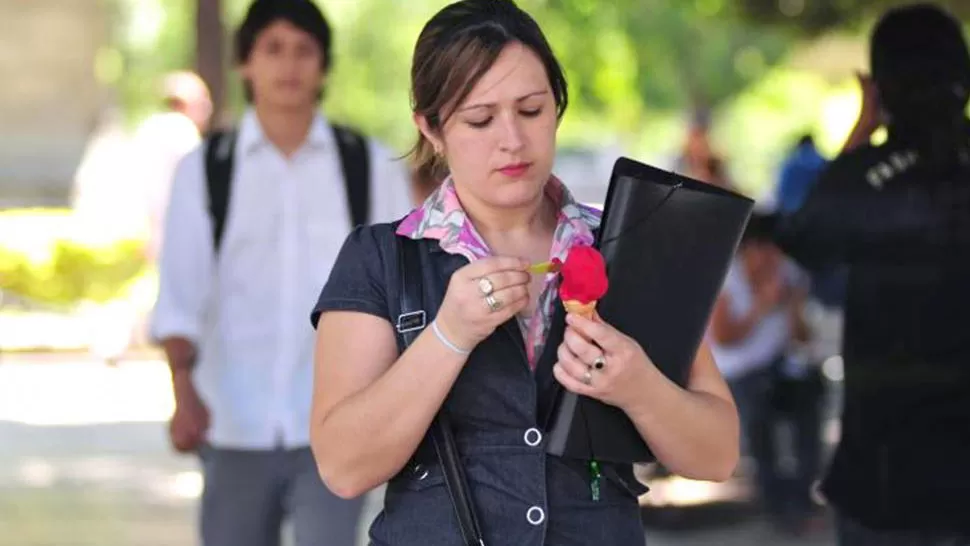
point(46, 258)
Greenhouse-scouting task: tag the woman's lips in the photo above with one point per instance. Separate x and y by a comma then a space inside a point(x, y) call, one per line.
point(515, 170)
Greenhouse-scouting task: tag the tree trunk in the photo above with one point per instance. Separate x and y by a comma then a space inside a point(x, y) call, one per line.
point(209, 53)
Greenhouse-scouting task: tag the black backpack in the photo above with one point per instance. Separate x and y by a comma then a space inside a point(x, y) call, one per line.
point(220, 149)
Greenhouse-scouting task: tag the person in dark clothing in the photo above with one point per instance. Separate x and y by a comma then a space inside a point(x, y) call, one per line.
point(897, 215)
point(798, 175)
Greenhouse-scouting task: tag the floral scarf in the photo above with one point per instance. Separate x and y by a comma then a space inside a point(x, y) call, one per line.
point(443, 219)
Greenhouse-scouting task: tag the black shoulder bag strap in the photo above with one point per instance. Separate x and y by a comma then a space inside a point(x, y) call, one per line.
point(355, 162)
point(415, 273)
point(220, 151)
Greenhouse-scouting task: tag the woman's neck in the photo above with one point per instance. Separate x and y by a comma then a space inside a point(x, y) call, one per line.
point(512, 227)
point(286, 128)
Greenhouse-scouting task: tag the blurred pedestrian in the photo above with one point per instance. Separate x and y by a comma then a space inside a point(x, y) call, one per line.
point(755, 321)
point(897, 215)
point(256, 219)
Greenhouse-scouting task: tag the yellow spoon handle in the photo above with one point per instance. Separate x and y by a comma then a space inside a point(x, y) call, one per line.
point(543, 267)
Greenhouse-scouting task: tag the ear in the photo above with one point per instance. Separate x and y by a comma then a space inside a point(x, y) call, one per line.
point(433, 135)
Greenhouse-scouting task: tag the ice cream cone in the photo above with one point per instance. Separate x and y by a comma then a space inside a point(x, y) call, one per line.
point(585, 310)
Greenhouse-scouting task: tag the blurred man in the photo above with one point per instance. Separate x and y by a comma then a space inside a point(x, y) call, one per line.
point(162, 140)
point(897, 214)
point(696, 154)
point(256, 219)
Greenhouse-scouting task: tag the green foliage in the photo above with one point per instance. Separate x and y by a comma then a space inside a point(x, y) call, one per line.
point(634, 68)
point(51, 267)
point(761, 125)
point(811, 18)
point(626, 60)
point(151, 37)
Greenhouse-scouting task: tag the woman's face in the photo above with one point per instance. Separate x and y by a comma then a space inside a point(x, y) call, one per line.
point(500, 142)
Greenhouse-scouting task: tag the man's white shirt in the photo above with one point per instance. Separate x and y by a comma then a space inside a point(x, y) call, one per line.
point(247, 309)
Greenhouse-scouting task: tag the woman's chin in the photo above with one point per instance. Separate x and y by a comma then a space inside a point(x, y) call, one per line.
point(522, 193)
point(516, 201)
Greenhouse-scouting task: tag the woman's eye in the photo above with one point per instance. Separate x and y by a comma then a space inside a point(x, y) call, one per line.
point(531, 113)
point(480, 124)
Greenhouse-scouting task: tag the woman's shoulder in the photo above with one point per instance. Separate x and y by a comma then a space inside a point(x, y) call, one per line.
point(366, 252)
point(368, 238)
point(359, 278)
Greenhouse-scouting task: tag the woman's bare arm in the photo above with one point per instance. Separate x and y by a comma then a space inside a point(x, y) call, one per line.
point(694, 432)
point(370, 408)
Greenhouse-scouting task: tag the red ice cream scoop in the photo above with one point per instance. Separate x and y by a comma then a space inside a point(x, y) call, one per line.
point(583, 275)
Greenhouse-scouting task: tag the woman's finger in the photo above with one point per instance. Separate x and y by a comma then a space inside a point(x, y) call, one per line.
point(505, 299)
point(580, 346)
point(492, 265)
point(504, 279)
point(571, 383)
point(599, 332)
point(571, 363)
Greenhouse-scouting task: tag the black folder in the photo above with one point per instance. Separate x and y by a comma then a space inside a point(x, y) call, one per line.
point(668, 242)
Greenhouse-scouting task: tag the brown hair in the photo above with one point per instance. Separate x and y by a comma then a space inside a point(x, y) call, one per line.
point(455, 49)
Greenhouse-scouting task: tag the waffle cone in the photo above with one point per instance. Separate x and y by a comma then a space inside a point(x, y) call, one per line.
point(585, 310)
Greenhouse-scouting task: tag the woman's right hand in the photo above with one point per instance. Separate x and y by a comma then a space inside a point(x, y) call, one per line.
point(465, 317)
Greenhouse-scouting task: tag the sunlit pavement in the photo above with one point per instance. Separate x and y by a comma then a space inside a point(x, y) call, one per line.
point(84, 462)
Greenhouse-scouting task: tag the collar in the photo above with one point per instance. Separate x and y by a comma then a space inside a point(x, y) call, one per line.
point(443, 219)
point(251, 136)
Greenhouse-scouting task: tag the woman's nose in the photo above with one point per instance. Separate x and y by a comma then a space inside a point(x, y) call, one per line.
point(512, 138)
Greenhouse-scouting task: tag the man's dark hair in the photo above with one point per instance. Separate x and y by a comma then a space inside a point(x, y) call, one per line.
point(761, 228)
point(920, 64)
point(303, 14)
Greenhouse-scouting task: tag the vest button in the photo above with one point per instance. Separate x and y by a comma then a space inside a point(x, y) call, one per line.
point(532, 437)
point(535, 515)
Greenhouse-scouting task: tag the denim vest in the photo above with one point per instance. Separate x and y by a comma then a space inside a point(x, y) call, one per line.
point(499, 408)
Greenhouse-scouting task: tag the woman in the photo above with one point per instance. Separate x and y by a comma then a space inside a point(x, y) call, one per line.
point(488, 94)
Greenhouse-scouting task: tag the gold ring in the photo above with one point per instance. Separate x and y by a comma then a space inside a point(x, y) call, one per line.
point(485, 286)
point(493, 303)
point(588, 378)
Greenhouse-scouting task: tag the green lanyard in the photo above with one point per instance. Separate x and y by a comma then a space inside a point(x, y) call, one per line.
point(594, 479)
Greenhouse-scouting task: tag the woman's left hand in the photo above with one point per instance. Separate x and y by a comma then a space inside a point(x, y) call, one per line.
point(599, 361)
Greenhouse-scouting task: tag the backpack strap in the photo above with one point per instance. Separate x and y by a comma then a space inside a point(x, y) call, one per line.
point(220, 151)
point(355, 162)
point(416, 274)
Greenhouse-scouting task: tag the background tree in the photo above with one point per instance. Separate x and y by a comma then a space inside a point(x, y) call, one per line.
point(210, 51)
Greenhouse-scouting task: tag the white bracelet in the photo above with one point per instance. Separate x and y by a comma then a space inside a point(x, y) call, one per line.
point(444, 341)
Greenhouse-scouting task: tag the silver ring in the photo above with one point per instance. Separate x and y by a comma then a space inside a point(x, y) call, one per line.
point(485, 286)
point(599, 362)
point(588, 378)
point(493, 303)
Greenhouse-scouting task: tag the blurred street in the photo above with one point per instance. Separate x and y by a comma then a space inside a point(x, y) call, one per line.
point(85, 462)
